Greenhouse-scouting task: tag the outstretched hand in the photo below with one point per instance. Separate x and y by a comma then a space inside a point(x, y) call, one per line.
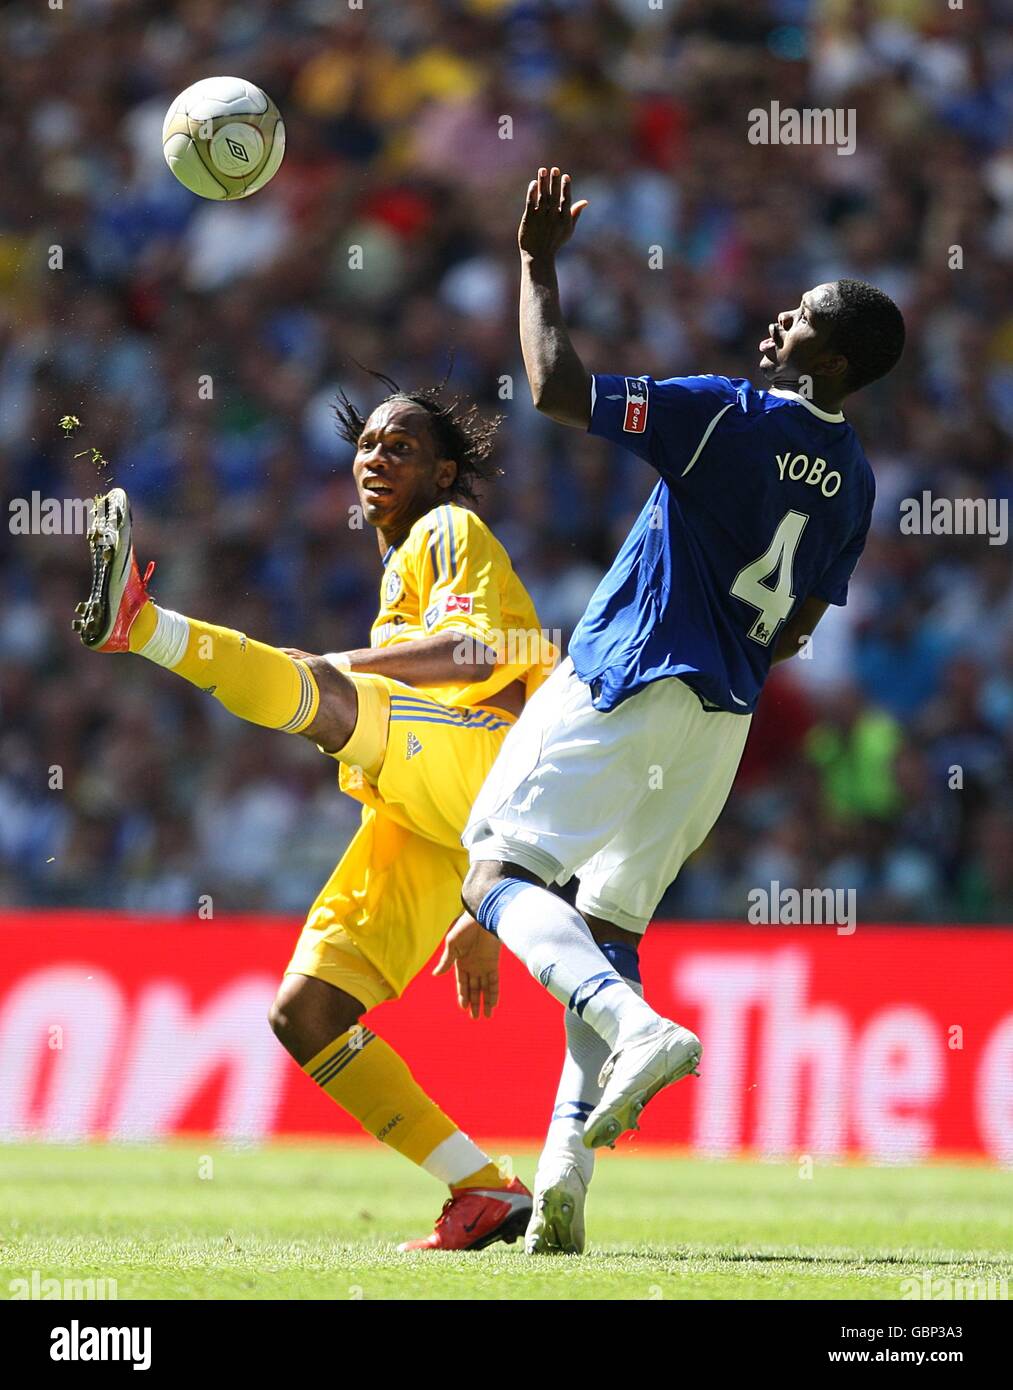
point(474, 954)
point(549, 216)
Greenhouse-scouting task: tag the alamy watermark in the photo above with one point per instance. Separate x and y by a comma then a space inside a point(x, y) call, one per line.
point(810, 126)
point(931, 1286)
point(84, 1343)
point(955, 516)
point(50, 516)
point(797, 907)
point(37, 1287)
point(517, 647)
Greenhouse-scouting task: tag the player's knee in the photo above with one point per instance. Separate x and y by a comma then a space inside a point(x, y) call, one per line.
point(283, 1013)
point(307, 1014)
point(475, 886)
point(481, 878)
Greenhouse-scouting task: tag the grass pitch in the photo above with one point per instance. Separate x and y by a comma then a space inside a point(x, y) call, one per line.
point(207, 1221)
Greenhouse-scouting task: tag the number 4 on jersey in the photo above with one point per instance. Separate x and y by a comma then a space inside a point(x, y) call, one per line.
point(775, 603)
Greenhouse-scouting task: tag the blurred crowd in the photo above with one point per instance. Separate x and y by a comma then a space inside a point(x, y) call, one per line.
point(202, 346)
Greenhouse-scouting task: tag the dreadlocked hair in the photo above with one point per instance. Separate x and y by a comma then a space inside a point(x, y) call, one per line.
point(459, 431)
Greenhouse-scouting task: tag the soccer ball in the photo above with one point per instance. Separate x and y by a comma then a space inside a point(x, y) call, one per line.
point(223, 138)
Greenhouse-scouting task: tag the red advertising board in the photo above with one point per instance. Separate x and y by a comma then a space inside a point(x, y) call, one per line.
point(892, 1043)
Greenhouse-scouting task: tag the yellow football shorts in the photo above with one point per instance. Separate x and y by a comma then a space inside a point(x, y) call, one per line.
point(416, 766)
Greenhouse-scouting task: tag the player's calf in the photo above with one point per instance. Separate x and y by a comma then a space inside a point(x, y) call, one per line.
point(334, 722)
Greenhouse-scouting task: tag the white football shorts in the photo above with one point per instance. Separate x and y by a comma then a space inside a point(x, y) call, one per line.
point(619, 799)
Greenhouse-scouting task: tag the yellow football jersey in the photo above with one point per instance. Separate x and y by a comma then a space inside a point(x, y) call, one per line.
point(450, 574)
point(395, 892)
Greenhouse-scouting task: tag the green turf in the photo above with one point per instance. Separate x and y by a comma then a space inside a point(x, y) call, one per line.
point(321, 1221)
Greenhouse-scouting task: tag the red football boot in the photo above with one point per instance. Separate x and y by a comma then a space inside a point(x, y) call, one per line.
point(118, 593)
point(474, 1217)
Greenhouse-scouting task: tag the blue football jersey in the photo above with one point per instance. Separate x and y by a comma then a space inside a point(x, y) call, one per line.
point(763, 501)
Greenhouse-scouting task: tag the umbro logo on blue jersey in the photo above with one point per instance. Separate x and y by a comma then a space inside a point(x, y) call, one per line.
point(414, 746)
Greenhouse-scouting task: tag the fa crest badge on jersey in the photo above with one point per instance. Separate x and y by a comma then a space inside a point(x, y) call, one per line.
point(393, 588)
point(636, 406)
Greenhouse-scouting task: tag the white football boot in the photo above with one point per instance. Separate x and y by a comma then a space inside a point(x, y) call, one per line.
point(557, 1221)
point(118, 591)
point(634, 1073)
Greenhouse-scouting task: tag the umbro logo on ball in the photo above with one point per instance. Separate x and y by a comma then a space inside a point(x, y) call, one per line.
point(223, 138)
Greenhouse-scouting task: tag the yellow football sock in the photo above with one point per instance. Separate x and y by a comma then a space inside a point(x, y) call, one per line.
point(142, 629)
point(366, 1077)
point(487, 1176)
point(258, 683)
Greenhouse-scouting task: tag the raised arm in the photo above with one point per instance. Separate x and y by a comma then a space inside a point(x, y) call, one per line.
point(560, 383)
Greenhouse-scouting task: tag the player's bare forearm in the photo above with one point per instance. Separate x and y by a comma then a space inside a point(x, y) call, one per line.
point(560, 383)
point(448, 658)
point(798, 630)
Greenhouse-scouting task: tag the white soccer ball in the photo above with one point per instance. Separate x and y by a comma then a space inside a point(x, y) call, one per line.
point(223, 138)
